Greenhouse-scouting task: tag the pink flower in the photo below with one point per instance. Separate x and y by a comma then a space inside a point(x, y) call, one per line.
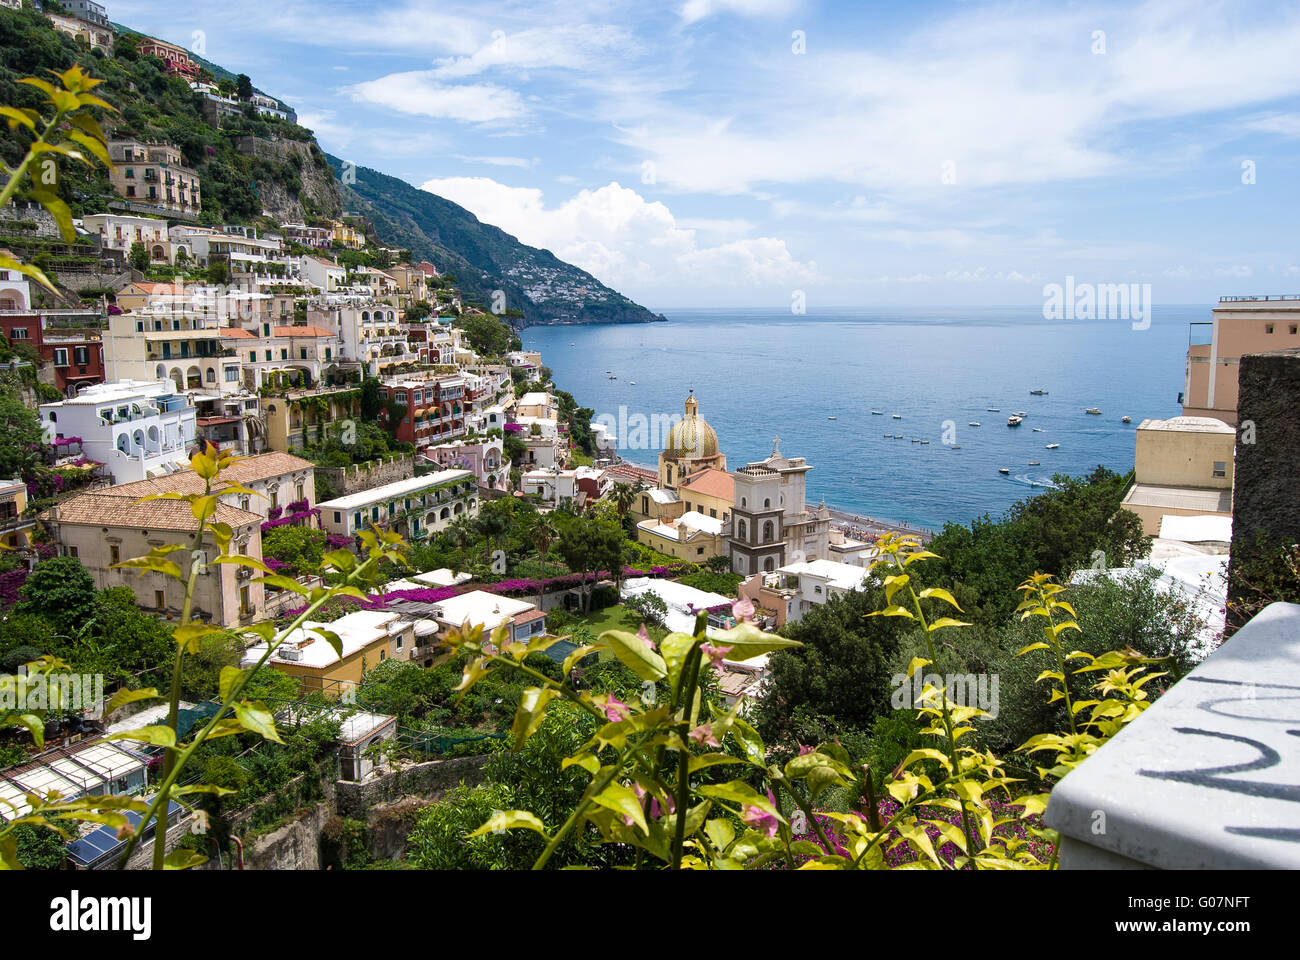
point(743, 610)
point(715, 654)
point(645, 638)
point(703, 735)
point(616, 709)
point(760, 819)
point(804, 750)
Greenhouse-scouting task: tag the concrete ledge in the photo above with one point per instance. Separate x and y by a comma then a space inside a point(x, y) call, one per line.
point(1209, 776)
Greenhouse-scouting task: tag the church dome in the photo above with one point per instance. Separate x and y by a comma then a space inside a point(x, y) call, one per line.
point(691, 438)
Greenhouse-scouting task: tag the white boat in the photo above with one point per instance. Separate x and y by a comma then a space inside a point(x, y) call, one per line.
point(898, 436)
point(1053, 446)
point(888, 435)
point(1013, 421)
point(1038, 393)
point(974, 423)
point(1095, 411)
point(916, 439)
point(1019, 413)
point(876, 413)
point(994, 410)
point(897, 416)
point(954, 447)
point(1035, 463)
point(632, 382)
point(832, 418)
point(1038, 430)
point(924, 442)
point(1003, 470)
point(1125, 419)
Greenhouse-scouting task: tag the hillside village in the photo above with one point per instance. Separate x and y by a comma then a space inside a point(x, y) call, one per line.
point(363, 391)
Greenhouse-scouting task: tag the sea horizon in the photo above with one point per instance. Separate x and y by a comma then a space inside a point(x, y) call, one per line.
point(813, 379)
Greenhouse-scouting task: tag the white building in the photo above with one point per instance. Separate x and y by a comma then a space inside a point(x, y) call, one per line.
point(414, 507)
point(118, 231)
point(815, 582)
point(683, 601)
point(489, 610)
point(138, 429)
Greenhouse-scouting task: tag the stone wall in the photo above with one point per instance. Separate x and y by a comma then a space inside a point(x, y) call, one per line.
point(348, 480)
point(425, 780)
point(1265, 509)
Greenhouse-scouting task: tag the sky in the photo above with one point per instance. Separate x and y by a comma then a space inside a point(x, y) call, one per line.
point(713, 153)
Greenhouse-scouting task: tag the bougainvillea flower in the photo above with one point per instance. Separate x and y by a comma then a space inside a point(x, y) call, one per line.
point(759, 819)
point(645, 638)
point(703, 735)
point(743, 610)
point(715, 654)
point(616, 709)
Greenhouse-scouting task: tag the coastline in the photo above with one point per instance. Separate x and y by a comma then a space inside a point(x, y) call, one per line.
point(858, 525)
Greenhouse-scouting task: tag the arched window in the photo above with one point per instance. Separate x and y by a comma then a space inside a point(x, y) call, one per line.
point(297, 490)
point(211, 375)
point(740, 530)
point(768, 564)
point(767, 531)
point(365, 316)
point(767, 503)
point(743, 502)
point(444, 514)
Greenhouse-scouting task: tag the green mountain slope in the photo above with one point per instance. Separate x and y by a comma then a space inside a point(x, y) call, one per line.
point(483, 257)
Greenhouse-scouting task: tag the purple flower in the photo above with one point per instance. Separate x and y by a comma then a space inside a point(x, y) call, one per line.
point(715, 654)
point(759, 819)
point(615, 709)
point(703, 735)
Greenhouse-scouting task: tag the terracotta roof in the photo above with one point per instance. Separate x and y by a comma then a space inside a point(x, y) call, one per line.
point(237, 332)
point(628, 471)
point(263, 466)
point(303, 332)
point(528, 616)
point(712, 483)
point(149, 286)
point(109, 510)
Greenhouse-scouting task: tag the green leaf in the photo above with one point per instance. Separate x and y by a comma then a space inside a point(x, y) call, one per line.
point(621, 800)
point(916, 664)
point(894, 611)
point(229, 679)
point(747, 641)
point(16, 117)
point(720, 833)
point(1033, 646)
point(158, 735)
point(675, 648)
point(183, 860)
point(255, 717)
point(941, 594)
point(738, 791)
point(635, 655)
point(239, 560)
point(947, 622)
point(510, 820)
point(189, 635)
point(578, 654)
point(283, 583)
point(531, 712)
point(210, 788)
point(124, 696)
point(893, 584)
point(700, 761)
point(154, 564)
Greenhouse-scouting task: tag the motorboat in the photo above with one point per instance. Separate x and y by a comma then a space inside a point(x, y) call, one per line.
point(1003, 470)
point(897, 416)
point(876, 413)
point(832, 418)
point(916, 439)
point(1053, 446)
point(994, 410)
point(1013, 421)
point(1095, 411)
point(1035, 463)
point(924, 442)
point(1038, 430)
point(1038, 393)
point(1019, 413)
point(955, 447)
point(973, 423)
point(898, 436)
point(1125, 419)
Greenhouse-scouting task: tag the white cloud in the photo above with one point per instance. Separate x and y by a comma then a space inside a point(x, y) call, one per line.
point(418, 92)
point(576, 47)
point(623, 239)
point(498, 161)
point(696, 10)
point(1283, 124)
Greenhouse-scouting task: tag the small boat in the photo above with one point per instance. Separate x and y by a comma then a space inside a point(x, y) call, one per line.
point(1013, 421)
point(1053, 446)
point(1003, 470)
point(612, 377)
point(973, 423)
point(955, 447)
point(924, 442)
point(1095, 411)
point(876, 413)
point(1125, 419)
point(888, 436)
point(1038, 393)
point(898, 436)
point(1035, 463)
point(897, 416)
point(1038, 430)
point(994, 410)
point(1019, 413)
point(832, 418)
point(916, 439)
point(632, 382)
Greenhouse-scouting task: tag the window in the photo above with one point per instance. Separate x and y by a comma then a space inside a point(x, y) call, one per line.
point(302, 353)
point(284, 353)
point(244, 608)
point(817, 589)
point(1292, 330)
point(159, 600)
point(114, 553)
point(268, 355)
point(72, 551)
point(232, 374)
point(60, 357)
point(20, 333)
point(81, 355)
point(252, 356)
point(699, 551)
point(139, 326)
point(338, 516)
point(1268, 328)
point(1220, 468)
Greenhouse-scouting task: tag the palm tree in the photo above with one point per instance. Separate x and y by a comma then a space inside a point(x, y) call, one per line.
point(462, 529)
point(493, 526)
point(624, 495)
point(544, 533)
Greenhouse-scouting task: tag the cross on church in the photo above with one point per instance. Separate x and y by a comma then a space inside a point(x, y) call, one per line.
point(776, 444)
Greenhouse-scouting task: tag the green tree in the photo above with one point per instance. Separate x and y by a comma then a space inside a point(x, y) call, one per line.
point(589, 546)
point(21, 440)
point(138, 256)
point(243, 87)
point(60, 590)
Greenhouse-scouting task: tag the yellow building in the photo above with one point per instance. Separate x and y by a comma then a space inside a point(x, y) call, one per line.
point(368, 638)
point(1239, 325)
point(15, 529)
point(692, 536)
point(296, 418)
point(348, 235)
point(1184, 468)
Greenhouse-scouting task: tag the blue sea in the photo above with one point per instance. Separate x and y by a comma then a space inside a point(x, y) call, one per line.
point(758, 374)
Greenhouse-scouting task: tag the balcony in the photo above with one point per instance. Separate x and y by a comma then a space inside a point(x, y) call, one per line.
point(1200, 334)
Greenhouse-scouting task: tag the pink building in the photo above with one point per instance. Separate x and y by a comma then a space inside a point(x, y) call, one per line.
point(482, 457)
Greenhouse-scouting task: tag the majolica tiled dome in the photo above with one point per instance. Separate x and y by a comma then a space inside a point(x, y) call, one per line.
point(691, 437)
